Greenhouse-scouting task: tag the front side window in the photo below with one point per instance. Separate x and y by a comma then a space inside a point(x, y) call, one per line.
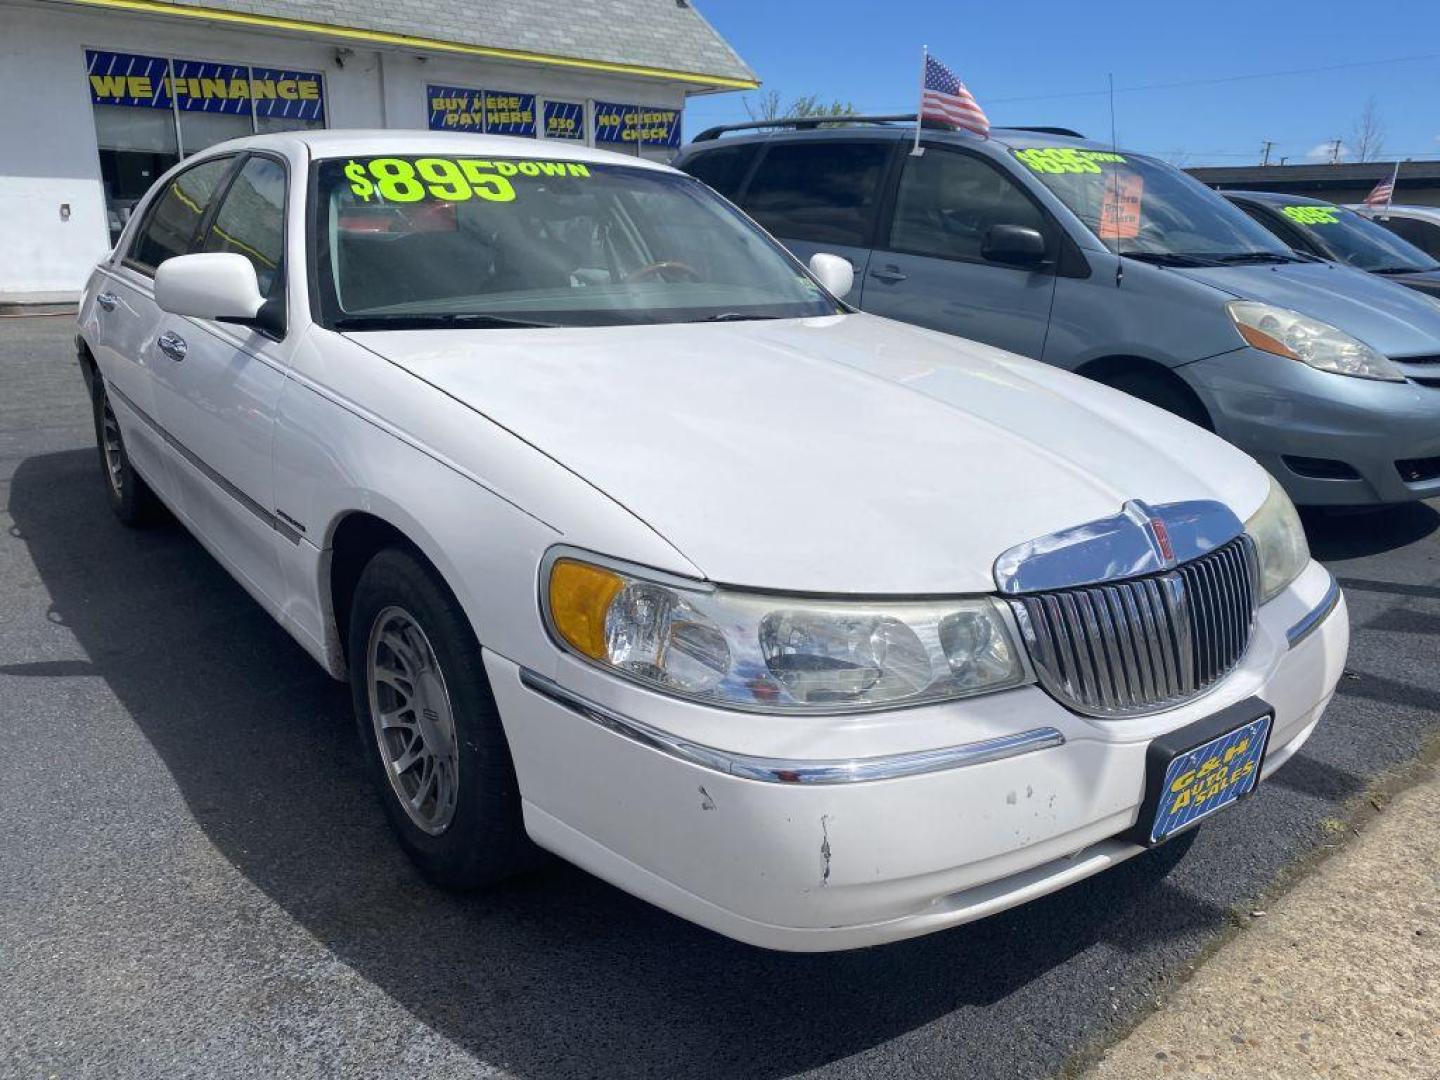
point(251, 221)
point(948, 200)
point(1357, 241)
point(1423, 234)
point(1141, 207)
point(819, 191)
point(428, 241)
point(172, 223)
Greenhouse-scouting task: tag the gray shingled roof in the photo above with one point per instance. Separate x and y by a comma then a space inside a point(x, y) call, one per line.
point(651, 33)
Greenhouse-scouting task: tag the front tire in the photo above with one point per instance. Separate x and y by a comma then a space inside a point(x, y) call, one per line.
point(131, 498)
point(430, 728)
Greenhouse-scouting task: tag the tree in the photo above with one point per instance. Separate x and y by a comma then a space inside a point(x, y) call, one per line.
point(768, 107)
point(1367, 137)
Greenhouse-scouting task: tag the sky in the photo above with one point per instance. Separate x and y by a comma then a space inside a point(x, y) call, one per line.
point(1198, 85)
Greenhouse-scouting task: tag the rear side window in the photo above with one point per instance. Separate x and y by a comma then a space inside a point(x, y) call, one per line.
point(1422, 234)
point(173, 221)
point(251, 221)
point(822, 192)
point(948, 201)
point(723, 169)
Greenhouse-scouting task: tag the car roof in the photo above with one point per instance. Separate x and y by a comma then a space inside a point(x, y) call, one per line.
point(1000, 140)
point(1277, 198)
point(1428, 213)
point(343, 142)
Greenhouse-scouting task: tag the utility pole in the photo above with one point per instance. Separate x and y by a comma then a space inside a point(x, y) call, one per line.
point(1335, 152)
point(1265, 152)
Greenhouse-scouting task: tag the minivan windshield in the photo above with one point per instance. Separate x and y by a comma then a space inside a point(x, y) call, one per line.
point(1142, 207)
point(422, 242)
point(1357, 241)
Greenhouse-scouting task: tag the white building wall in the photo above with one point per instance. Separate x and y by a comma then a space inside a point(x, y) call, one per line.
point(48, 156)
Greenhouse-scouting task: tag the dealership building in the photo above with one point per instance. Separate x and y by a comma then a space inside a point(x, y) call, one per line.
point(99, 97)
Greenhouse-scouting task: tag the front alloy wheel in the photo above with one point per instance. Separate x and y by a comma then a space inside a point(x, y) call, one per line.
point(413, 721)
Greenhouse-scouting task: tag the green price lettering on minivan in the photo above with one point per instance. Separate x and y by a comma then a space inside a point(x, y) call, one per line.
point(1065, 159)
point(1312, 215)
point(403, 180)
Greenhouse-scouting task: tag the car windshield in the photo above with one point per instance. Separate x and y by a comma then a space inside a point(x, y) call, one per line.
point(416, 242)
point(1356, 241)
point(1142, 207)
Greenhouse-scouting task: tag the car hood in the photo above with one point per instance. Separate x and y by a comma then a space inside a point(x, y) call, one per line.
point(846, 454)
point(1389, 318)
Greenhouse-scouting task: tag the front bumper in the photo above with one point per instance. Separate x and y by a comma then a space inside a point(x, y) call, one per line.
point(1276, 409)
point(832, 864)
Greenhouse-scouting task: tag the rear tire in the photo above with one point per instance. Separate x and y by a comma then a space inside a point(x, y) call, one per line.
point(131, 498)
point(429, 726)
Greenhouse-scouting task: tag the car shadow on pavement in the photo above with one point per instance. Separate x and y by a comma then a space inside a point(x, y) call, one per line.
point(555, 973)
point(1352, 534)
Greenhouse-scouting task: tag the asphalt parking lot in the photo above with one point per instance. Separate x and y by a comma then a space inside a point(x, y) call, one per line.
point(195, 879)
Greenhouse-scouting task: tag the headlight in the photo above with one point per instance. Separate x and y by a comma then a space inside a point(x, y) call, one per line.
point(1299, 337)
point(1279, 541)
point(774, 653)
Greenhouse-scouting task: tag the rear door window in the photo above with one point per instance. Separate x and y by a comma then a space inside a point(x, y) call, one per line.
point(724, 168)
point(251, 222)
point(819, 191)
point(174, 219)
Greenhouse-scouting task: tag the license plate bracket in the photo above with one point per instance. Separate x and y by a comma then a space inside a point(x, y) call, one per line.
point(1201, 768)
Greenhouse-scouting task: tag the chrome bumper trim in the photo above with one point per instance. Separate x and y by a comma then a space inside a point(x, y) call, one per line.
point(786, 771)
point(1311, 622)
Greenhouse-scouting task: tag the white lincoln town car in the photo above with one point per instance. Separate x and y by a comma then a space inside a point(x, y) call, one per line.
point(637, 544)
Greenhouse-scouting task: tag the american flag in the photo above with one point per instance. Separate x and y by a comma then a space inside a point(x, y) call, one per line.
point(943, 97)
point(1384, 191)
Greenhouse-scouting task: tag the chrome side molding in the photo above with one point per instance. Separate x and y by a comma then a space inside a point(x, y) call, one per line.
point(1318, 614)
point(796, 771)
point(1141, 539)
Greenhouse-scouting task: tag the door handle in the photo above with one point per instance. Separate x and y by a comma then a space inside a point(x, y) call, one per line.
point(890, 274)
point(107, 300)
point(172, 345)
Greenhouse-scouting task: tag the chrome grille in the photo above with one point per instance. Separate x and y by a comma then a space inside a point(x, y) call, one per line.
point(1143, 644)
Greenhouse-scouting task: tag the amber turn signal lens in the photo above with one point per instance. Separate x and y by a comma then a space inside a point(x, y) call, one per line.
point(580, 596)
point(1265, 343)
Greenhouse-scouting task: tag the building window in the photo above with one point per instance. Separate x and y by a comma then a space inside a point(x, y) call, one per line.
point(150, 111)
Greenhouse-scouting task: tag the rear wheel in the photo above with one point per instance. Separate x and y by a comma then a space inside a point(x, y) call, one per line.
point(130, 497)
point(430, 728)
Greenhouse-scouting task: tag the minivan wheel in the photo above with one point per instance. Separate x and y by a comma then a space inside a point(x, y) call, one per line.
point(1163, 393)
point(429, 726)
point(132, 500)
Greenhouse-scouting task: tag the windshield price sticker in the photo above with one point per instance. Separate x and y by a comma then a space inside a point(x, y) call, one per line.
point(402, 180)
point(1064, 159)
point(1312, 215)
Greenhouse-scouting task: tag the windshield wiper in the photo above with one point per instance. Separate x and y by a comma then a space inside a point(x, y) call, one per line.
point(1405, 269)
point(1236, 258)
point(1167, 258)
point(738, 316)
point(435, 321)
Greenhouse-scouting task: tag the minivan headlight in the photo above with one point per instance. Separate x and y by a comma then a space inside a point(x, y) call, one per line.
point(1279, 542)
point(771, 653)
point(1287, 333)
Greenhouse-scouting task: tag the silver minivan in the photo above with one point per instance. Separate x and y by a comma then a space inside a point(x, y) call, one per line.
point(1119, 267)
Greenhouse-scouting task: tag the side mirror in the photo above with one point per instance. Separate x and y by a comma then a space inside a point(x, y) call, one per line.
point(1013, 245)
point(834, 272)
point(216, 285)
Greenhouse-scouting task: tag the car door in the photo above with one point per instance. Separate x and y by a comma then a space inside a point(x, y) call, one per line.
point(217, 385)
point(928, 267)
point(821, 195)
point(126, 318)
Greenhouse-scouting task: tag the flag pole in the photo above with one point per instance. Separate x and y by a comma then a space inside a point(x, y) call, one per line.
point(917, 150)
point(1394, 176)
